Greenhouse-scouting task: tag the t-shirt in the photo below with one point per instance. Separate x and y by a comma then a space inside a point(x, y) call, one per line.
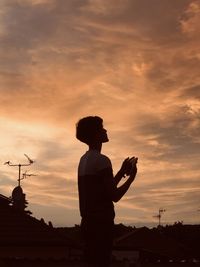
point(95, 185)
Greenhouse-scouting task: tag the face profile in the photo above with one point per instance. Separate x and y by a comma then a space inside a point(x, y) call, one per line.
point(104, 136)
point(90, 131)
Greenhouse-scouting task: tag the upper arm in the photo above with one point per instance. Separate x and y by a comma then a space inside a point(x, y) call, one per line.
point(106, 174)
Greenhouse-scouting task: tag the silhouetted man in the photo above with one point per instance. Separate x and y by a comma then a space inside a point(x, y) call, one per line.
point(98, 190)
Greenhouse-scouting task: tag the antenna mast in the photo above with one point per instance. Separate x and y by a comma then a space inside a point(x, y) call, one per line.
point(159, 215)
point(19, 165)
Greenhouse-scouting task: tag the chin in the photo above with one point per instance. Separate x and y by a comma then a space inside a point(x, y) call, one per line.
point(105, 140)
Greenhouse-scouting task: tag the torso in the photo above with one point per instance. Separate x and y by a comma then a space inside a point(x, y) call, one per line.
point(93, 200)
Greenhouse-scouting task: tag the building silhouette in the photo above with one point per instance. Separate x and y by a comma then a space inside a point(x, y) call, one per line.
point(25, 238)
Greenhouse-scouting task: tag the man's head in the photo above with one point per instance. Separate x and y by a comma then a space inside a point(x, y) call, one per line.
point(90, 130)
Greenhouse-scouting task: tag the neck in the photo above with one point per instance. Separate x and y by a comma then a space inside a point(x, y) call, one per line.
point(95, 147)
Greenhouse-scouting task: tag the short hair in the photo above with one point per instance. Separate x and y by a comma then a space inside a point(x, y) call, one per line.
point(87, 127)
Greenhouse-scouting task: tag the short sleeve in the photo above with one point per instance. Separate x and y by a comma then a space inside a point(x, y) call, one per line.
point(103, 163)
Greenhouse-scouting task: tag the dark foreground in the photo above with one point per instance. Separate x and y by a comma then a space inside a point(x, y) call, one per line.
point(65, 263)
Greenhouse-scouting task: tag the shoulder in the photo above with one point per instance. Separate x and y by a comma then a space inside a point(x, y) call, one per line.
point(103, 162)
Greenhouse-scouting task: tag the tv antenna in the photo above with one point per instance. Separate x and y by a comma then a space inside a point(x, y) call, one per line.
point(159, 215)
point(19, 165)
point(25, 174)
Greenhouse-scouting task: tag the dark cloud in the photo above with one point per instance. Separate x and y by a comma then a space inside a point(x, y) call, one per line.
point(153, 19)
point(28, 25)
point(191, 93)
point(33, 33)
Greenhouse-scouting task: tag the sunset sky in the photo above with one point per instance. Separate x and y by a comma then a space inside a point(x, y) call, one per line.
point(135, 63)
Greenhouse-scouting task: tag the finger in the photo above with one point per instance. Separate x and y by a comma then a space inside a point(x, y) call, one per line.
point(135, 160)
point(131, 158)
point(126, 160)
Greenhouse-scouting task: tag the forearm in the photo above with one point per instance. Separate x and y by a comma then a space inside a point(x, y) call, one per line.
point(120, 191)
point(118, 177)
